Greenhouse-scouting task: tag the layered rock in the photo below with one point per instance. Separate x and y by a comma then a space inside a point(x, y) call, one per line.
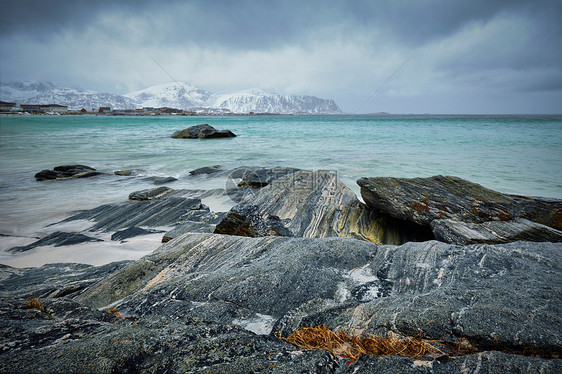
point(316, 205)
point(158, 207)
point(427, 200)
point(67, 172)
point(216, 302)
point(202, 132)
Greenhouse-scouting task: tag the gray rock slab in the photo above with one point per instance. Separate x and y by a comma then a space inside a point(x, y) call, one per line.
point(422, 200)
point(51, 280)
point(169, 211)
point(493, 232)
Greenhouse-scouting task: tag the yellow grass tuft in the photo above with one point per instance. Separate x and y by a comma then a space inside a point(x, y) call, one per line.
point(352, 347)
point(34, 303)
point(115, 312)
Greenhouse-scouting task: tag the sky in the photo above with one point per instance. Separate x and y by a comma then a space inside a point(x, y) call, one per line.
point(396, 56)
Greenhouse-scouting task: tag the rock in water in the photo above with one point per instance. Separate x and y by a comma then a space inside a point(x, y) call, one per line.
point(150, 194)
point(57, 239)
point(202, 132)
point(67, 172)
point(425, 200)
point(132, 232)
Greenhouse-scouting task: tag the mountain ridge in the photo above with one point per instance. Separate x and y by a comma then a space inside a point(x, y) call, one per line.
point(179, 95)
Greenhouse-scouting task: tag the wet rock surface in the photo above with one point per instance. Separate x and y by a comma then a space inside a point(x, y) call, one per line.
point(216, 302)
point(57, 239)
point(132, 232)
point(300, 251)
point(425, 200)
point(202, 132)
point(67, 172)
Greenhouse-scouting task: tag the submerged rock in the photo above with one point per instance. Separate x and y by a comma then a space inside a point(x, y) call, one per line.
point(57, 239)
point(150, 194)
point(259, 178)
point(425, 200)
point(202, 132)
point(67, 172)
point(206, 170)
point(132, 232)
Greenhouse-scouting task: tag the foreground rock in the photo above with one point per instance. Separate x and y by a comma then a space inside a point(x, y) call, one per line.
point(67, 172)
point(425, 200)
point(202, 132)
point(207, 302)
point(314, 205)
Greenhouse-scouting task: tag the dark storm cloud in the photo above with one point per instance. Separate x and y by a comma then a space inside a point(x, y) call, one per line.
point(339, 49)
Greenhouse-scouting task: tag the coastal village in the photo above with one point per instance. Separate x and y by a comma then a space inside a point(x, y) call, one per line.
point(11, 108)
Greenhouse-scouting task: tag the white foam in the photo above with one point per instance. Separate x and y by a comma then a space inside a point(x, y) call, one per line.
point(261, 324)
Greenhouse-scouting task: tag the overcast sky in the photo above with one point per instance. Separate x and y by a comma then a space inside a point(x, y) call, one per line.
point(436, 56)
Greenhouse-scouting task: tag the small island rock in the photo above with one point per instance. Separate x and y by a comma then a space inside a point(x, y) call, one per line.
point(67, 172)
point(202, 132)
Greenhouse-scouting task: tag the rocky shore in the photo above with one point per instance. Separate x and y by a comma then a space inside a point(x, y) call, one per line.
point(438, 258)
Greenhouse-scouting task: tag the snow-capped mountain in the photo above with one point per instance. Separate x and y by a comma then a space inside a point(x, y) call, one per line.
point(178, 95)
point(183, 95)
point(47, 93)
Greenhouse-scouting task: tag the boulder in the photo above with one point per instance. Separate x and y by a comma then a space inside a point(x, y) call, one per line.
point(67, 172)
point(247, 221)
point(425, 200)
point(202, 132)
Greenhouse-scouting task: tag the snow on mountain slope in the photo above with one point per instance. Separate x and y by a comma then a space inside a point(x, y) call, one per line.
point(185, 96)
point(178, 95)
point(47, 93)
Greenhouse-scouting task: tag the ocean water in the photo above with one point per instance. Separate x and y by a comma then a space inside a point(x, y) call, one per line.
point(512, 154)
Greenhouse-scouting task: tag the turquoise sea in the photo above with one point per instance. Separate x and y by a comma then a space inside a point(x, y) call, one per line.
point(512, 154)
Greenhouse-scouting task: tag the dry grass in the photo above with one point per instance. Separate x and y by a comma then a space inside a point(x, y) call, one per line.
point(354, 346)
point(115, 312)
point(34, 303)
point(118, 314)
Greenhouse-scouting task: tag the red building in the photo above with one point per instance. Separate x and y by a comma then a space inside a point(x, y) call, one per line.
point(32, 108)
